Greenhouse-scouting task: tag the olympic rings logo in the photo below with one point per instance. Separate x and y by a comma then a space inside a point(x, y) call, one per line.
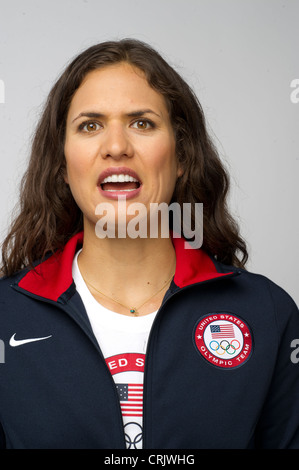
point(220, 349)
point(135, 438)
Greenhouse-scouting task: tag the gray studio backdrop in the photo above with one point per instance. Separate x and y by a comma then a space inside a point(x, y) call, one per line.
point(241, 57)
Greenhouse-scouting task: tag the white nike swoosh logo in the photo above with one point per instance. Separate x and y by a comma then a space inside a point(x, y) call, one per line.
point(15, 342)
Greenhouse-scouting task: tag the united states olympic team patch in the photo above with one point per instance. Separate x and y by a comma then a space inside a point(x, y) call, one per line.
point(223, 339)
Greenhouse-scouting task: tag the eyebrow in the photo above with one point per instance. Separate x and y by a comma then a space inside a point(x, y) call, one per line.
point(134, 114)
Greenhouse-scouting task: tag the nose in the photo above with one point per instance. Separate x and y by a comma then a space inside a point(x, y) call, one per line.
point(116, 143)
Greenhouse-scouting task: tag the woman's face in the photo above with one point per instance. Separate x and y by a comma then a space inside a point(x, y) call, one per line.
point(119, 141)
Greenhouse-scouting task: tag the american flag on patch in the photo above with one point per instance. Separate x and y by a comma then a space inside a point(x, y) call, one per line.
point(222, 331)
point(131, 399)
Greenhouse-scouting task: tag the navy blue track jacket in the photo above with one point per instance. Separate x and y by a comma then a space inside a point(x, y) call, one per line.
point(218, 369)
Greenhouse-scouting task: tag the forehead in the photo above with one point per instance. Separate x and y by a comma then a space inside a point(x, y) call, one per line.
point(117, 86)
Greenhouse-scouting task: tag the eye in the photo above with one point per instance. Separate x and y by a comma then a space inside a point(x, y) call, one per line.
point(89, 126)
point(143, 124)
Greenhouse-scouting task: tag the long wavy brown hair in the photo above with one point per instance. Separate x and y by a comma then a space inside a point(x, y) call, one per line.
point(47, 213)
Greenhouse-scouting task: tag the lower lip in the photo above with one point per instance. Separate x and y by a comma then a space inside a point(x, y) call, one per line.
point(117, 194)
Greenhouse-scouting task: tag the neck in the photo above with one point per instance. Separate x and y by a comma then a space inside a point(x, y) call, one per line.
point(129, 270)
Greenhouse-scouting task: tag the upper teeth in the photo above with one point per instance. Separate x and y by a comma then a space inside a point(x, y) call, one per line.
point(119, 179)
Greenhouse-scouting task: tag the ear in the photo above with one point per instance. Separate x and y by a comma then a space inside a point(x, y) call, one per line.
point(180, 171)
point(63, 172)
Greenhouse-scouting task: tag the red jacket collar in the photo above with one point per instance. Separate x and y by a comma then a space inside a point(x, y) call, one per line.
point(53, 277)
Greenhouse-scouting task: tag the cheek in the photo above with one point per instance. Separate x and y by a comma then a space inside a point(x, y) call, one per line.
point(163, 158)
point(164, 172)
point(76, 160)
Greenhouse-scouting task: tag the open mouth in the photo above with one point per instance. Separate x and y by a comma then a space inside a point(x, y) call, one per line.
point(121, 182)
point(115, 182)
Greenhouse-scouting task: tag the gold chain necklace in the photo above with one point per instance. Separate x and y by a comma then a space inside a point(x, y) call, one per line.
point(132, 310)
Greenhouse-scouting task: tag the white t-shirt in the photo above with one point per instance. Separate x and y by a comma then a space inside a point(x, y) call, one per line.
point(123, 341)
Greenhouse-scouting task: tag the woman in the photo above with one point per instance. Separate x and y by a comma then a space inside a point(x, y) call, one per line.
point(120, 341)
